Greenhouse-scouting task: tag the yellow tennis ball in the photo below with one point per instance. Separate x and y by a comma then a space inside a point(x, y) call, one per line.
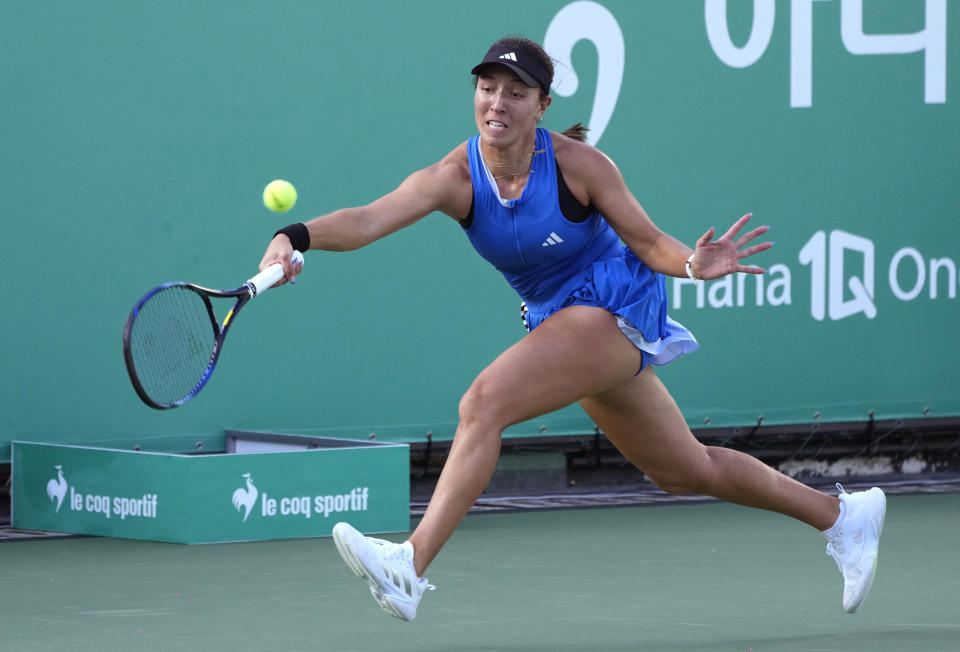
point(279, 196)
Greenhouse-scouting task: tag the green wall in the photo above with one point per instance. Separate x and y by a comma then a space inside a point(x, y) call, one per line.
point(136, 137)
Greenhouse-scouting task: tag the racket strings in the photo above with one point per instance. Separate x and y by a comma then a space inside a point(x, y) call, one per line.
point(172, 342)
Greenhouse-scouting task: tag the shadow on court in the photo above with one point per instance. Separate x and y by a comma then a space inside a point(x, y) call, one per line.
point(684, 577)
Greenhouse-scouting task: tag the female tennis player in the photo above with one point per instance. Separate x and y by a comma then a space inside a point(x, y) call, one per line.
point(555, 216)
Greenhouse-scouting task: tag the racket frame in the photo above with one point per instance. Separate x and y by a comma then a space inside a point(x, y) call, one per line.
point(243, 294)
point(256, 285)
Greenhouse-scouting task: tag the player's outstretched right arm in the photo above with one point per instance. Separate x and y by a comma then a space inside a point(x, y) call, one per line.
point(440, 187)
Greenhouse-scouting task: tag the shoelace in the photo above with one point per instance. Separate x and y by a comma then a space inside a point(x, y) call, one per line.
point(835, 551)
point(835, 546)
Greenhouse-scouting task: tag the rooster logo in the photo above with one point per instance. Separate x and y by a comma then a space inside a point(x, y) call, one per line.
point(57, 488)
point(245, 497)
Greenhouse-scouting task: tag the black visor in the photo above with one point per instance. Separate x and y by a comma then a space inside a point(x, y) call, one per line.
point(527, 68)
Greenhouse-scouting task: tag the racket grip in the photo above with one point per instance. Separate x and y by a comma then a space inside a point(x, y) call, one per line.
point(262, 281)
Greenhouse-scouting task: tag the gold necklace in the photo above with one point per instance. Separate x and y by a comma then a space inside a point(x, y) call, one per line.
point(529, 170)
point(523, 158)
point(511, 165)
point(513, 174)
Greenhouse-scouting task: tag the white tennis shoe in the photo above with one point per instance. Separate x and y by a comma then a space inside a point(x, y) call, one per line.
point(386, 566)
point(854, 540)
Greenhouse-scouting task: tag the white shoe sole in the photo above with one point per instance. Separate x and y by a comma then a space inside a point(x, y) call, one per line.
point(344, 538)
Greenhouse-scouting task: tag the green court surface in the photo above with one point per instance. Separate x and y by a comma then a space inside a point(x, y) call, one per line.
point(679, 577)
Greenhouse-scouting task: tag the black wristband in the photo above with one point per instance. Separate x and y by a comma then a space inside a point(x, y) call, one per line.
point(298, 234)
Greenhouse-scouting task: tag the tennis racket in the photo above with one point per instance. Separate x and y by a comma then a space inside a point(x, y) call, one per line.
point(172, 340)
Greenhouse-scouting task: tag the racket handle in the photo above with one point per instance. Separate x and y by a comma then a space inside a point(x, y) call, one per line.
point(262, 281)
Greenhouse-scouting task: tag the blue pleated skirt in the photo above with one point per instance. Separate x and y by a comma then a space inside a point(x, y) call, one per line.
point(635, 294)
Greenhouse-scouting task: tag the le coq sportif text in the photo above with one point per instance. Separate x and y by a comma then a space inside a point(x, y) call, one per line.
point(306, 506)
point(144, 506)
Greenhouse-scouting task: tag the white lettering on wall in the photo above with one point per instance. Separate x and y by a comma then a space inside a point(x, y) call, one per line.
point(801, 53)
point(931, 40)
point(829, 290)
point(591, 21)
point(842, 279)
point(947, 264)
point(773, 289)
point(718, 32)
point(898, 291)
point(814, 253)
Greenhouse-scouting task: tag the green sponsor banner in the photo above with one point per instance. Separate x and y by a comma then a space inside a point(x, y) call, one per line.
point(209, 498)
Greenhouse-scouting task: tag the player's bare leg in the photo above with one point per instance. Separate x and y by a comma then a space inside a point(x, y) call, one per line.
point(577, 352)
point(642, 420)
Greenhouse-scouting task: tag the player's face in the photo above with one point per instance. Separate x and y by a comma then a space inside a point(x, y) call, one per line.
point(505, 108)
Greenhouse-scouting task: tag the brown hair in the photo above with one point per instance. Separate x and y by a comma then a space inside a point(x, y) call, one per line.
point(577, 132)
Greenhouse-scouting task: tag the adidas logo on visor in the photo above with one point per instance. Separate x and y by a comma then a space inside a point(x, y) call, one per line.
point(509, 55)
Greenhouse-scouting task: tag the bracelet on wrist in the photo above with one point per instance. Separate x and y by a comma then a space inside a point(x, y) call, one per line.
point(299, 236)
point(691, 272)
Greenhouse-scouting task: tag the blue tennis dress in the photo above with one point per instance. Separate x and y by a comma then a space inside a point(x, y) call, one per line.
point(553, 262)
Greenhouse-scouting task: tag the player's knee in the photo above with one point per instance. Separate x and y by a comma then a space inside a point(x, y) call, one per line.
point(676, 483)
point(690, 479)
point(481, 407)
point(696, 475)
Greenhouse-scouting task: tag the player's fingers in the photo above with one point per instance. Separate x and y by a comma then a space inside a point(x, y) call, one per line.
point(748, 269)
point(744, 239)
point(706, 237)
point(735, 229)
point(295, 268)
point(295, 264)
point(285, 265)
point(755, 249)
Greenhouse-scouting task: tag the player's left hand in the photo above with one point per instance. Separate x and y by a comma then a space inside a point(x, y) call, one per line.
point(722, 256)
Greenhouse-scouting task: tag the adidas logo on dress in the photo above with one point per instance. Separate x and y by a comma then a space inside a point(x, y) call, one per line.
point(552, 239)
point(509, 55)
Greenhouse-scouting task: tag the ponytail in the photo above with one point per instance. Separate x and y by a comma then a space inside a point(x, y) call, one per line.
point(577, 132)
